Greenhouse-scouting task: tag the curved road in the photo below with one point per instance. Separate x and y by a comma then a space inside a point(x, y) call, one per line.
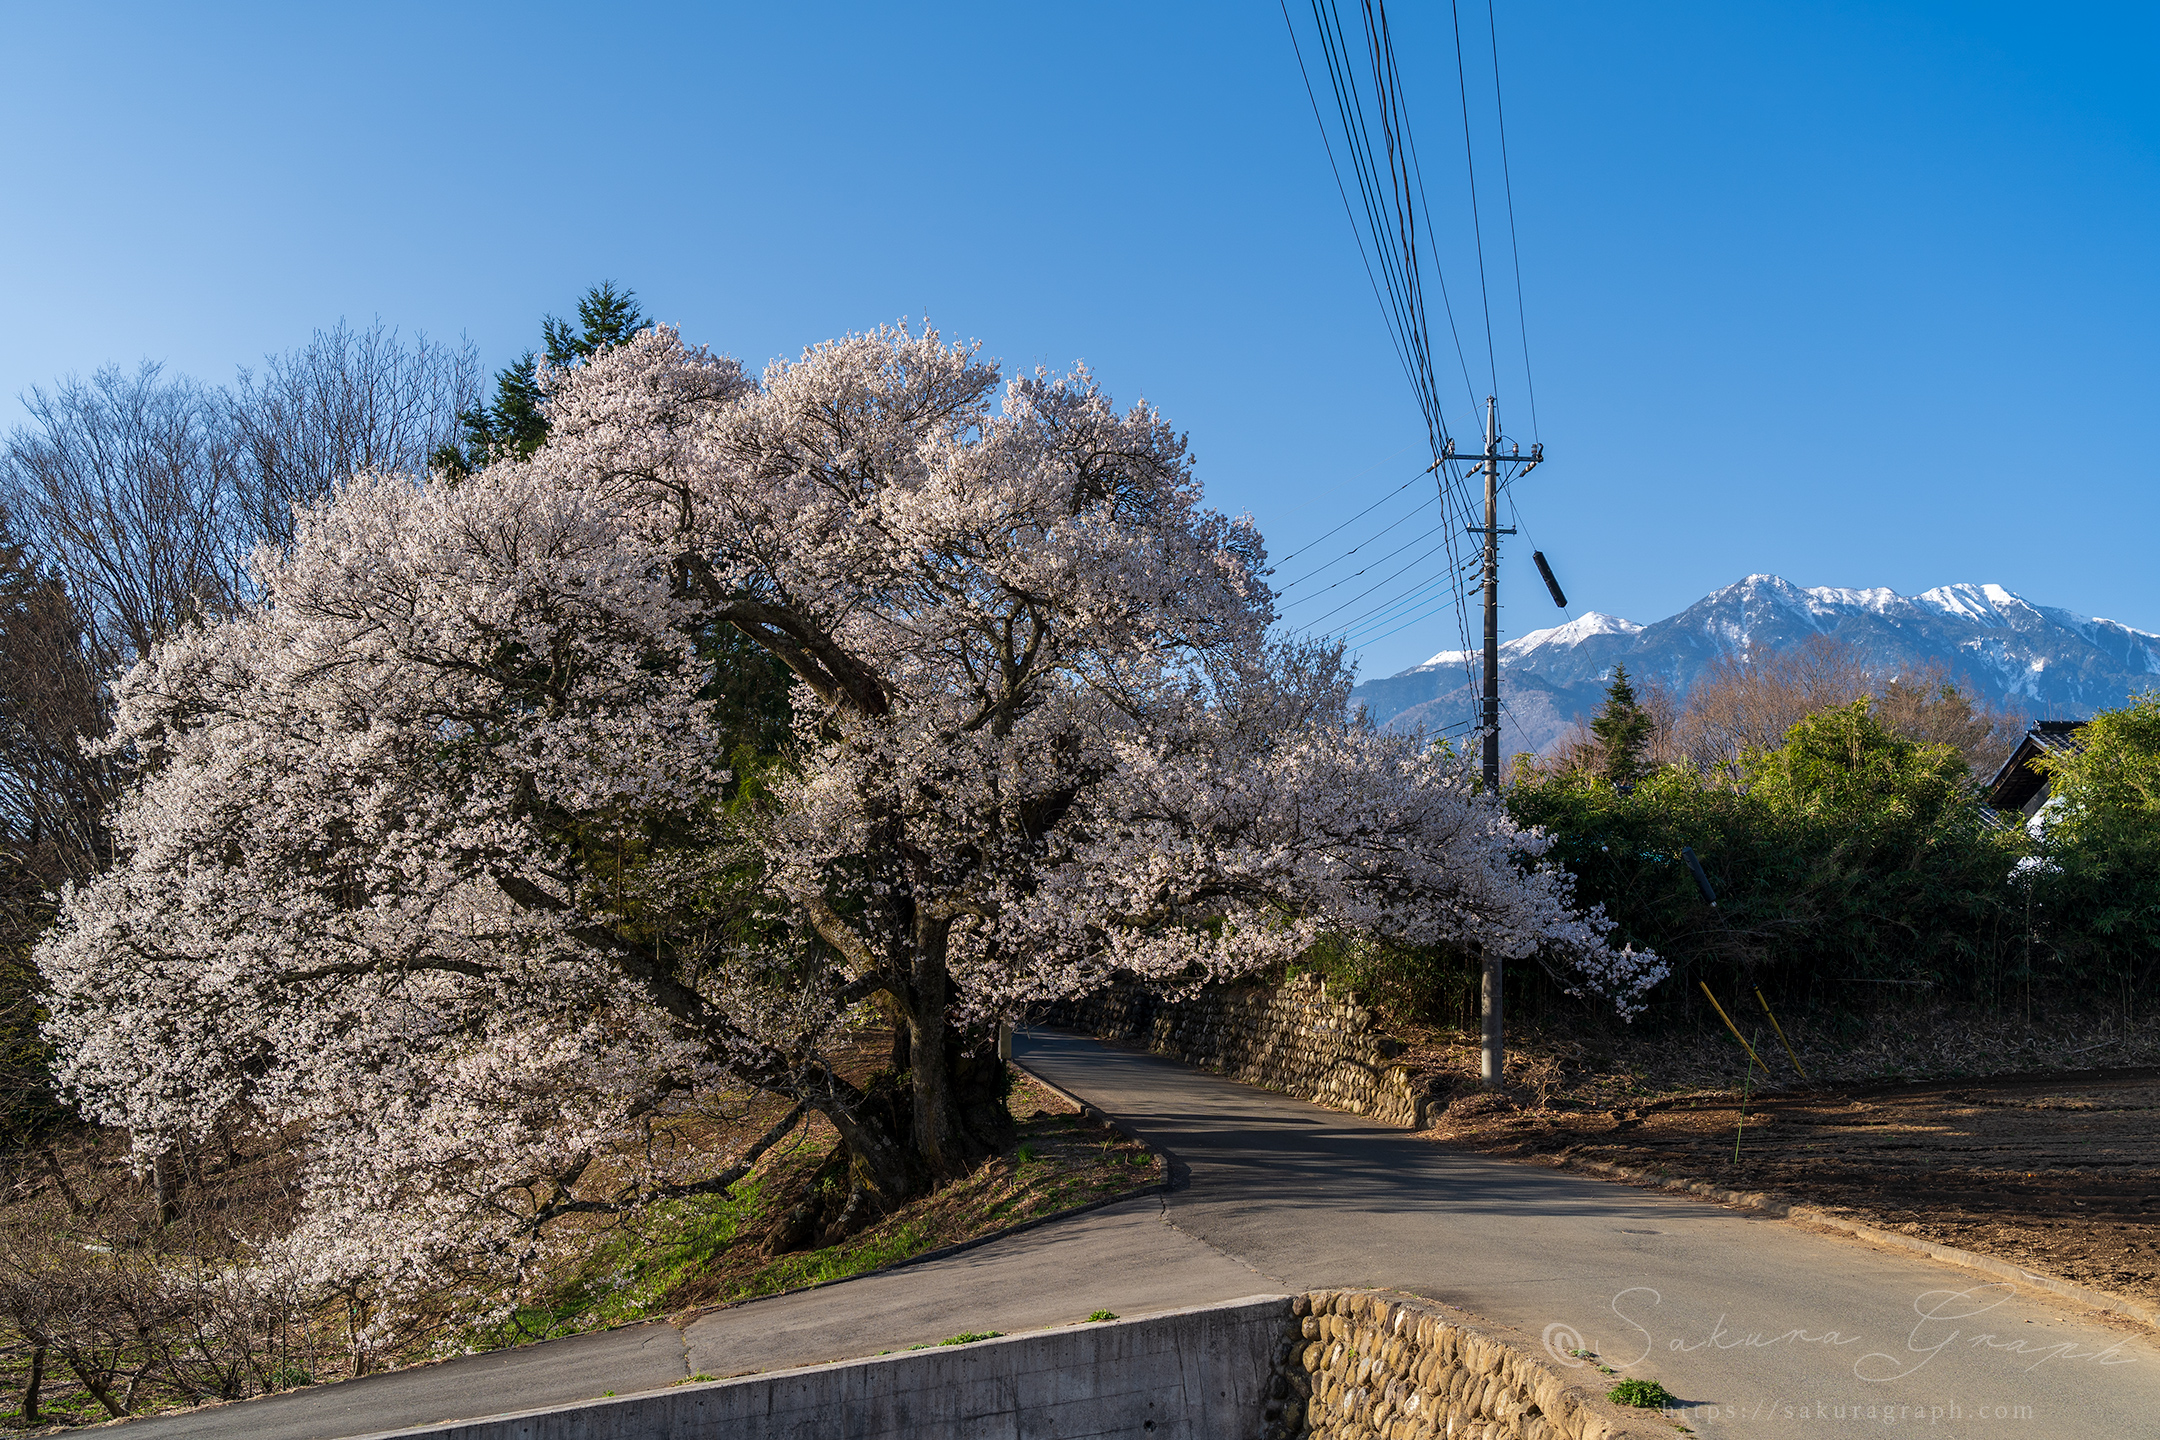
point(1764, 1328)
point(1768, 1328)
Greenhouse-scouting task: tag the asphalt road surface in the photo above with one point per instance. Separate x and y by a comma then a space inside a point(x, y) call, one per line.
point(1123, 1258)
point(1766, 1328)
point(1762, 1327)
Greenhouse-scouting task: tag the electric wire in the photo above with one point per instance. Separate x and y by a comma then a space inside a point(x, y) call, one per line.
point(1418, 619)
point(1368, 565)
point(1357, 141)
point(1340, 189)
point(1391, 609)
point(1507, 184)
point(1477, 226)
point(1286, 588)
point(1353, 519)
point(1389, 247)
point(1377, 585)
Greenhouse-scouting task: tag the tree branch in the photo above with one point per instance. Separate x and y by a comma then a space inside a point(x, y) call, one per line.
point(714, 1185)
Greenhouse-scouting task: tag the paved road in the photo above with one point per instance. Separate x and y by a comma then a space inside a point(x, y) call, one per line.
point(1768, 1329)
point(1123, 1258)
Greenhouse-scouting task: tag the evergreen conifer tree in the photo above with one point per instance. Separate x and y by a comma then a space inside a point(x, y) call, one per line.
point(1622, 728)
point(513, 424)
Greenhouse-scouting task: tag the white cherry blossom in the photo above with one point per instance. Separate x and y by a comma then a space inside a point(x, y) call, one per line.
point(434, 849)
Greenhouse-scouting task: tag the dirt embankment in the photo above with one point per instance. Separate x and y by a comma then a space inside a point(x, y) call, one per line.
point(2059, 1173)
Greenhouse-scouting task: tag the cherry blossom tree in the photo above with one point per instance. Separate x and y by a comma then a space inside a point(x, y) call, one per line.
point(438, 852)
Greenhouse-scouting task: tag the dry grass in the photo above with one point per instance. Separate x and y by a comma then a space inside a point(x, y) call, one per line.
point(85, 1207)
point(705, 1254)
point(1916, 1042)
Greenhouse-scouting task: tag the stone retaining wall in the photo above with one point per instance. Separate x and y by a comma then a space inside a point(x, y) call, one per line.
point(1296, 1037)
point(1381, 1366)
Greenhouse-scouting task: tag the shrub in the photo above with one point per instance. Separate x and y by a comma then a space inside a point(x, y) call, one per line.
point(1644, 1393)
point(1848, 854)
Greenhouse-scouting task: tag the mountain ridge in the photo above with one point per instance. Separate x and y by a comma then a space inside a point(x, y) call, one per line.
point(2039, 659)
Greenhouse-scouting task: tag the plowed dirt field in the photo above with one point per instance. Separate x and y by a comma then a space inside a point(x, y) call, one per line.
point(2060, 1173)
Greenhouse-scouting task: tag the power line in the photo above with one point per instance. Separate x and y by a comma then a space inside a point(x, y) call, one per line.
point(1340, 189)
point(1376, 560)
point(1388, 246)
point(1477, 226)
point(1286, 588)
point(1417, 619)
point(1507, 182)
point(1355, 518)
point(1380, 583)
point(1416, 595)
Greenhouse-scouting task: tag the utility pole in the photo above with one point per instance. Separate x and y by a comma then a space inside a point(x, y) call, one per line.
point(1489, 706)
point(1490, 1067)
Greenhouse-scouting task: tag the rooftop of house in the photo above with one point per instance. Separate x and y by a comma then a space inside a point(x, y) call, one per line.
point(2021, 785)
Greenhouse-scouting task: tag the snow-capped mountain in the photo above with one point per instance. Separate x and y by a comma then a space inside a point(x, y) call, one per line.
point(2034, 657)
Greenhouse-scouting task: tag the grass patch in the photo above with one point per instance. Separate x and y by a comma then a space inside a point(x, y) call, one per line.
point(709, 1251)
point(1645, 1394)
point(965, 1337)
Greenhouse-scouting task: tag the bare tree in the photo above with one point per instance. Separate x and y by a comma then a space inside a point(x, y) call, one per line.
point(55, 786)
point(123, 486)
point(1930, 707)
point(348, 400)
point(1748, 701)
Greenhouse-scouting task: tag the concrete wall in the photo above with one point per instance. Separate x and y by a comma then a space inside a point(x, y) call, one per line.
point(1328, 1365)
point(1188, 1375)
point(1296, 1037)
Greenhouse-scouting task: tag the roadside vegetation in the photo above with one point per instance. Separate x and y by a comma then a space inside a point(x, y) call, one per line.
point(104, 1311)
point(1858, 877)
point(481, 867)
point(1941, 1022)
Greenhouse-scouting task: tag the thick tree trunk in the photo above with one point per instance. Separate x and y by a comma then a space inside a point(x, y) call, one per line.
point(933, 1117)
point(874, 1130)
point(165, 1186)
point(30, 1413)
point(938, 1133)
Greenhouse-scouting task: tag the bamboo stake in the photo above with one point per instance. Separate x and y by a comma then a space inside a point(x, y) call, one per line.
point(1730, 1026)
point(1748, 1083)
point(1780, 1033)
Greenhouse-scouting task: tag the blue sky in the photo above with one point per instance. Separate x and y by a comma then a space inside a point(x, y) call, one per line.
point(1860, 294)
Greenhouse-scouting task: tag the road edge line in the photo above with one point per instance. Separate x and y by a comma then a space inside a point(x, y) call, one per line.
point(2102, 1300)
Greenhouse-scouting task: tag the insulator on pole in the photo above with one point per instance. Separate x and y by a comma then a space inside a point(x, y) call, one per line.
point(1550, 583)
point(1702, 881)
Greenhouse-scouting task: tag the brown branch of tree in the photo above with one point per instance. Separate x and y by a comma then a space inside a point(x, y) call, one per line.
point(864, 987)
point(800, 645)
point(385, 966)
point(837, 933)
point(713, 1185)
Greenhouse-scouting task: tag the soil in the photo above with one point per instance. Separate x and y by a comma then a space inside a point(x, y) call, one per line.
point(2059, 1173)
point(606, 1271)
point(1062, 1160)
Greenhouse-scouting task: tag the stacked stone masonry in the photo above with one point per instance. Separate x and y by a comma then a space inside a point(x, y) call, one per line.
point(1371, 1365)
point(1295, 1037)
